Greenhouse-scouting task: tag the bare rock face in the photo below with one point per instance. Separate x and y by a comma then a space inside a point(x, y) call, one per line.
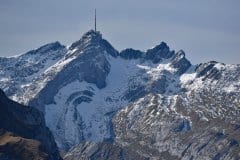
point(158, 53)
point(180, 62)
point(23, 133)
point(13, 147)
point(130, 53)
point(103, 150)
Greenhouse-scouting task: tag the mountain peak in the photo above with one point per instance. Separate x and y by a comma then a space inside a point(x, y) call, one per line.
point(87, 38)
point(54, 46)
point(93, 39)
point(159, 52)
point(93, 34)
point(180, 62)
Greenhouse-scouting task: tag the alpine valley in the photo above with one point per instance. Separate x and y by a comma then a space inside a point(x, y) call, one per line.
point(103, 104)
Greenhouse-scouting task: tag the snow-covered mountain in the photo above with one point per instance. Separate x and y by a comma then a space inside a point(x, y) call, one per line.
point(146, 104)
point(18, 72)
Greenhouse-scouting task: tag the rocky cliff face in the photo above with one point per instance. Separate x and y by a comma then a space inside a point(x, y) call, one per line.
point(134, 104)
point(23, 133)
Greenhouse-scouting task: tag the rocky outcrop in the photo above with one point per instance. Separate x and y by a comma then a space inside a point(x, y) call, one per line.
point(180, 62)
point(23, 133)
point(159, 52)
point(101, 151)
point(131, 54)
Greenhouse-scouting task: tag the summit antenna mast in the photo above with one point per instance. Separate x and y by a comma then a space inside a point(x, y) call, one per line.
point(95, 21)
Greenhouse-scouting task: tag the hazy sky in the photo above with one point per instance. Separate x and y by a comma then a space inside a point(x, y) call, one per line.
point(204, 29)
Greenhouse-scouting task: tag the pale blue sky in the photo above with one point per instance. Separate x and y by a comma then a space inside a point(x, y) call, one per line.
point(204, 29)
